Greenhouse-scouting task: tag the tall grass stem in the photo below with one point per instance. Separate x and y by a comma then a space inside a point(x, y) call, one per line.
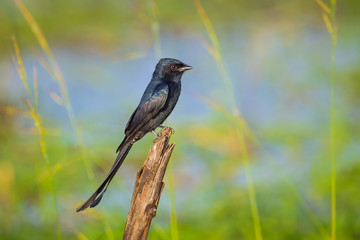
point(333, 120)
point(244, 157)
point(54, 70)
point(41, 131)
point(172, 197)
point(155, 29)
point(38, 124)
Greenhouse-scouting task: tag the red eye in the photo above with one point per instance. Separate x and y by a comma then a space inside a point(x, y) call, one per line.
point(173, 66)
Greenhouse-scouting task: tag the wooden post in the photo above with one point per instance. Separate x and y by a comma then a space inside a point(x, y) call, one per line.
point(148, 187)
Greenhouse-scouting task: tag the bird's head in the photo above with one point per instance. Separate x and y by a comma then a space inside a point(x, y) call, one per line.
point(171, 69)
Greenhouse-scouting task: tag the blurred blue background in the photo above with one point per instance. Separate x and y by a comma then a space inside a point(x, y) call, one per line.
point(269, 178)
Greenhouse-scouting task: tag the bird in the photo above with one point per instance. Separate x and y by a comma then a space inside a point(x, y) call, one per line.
point(156, 104)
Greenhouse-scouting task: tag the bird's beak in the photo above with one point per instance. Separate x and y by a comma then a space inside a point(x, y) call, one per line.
point(184, 68)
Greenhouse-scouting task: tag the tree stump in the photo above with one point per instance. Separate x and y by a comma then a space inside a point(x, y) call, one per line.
point(148, 187)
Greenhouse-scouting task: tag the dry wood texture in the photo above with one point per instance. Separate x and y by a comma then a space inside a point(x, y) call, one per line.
point(148, 187)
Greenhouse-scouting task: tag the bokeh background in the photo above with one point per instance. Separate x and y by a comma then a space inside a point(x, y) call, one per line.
point(253, 158)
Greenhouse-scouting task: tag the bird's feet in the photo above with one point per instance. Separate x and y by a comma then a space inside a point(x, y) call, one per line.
point(172, 130)
point(157, 136)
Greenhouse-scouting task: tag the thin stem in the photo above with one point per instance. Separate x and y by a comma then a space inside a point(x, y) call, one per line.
point(333, 121)
point(173, 215)
point(244, 157)
point(44, 152)
point(54, 70)
point(251, 189)
point(155, 29)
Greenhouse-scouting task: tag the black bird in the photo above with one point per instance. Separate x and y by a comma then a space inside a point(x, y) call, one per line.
point(157, 102)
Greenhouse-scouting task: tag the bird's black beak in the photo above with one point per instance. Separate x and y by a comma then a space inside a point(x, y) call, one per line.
point(184, 68)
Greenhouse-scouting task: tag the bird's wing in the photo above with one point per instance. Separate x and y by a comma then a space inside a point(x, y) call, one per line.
point(147, 110)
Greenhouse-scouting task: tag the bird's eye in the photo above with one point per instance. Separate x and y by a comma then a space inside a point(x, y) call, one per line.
point(173, 66)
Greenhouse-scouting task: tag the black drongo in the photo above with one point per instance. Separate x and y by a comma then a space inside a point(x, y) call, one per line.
point(157, 102)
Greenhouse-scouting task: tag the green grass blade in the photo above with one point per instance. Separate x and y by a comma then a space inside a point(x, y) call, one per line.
point(55, 72)
point(58, 76)
point(44, 152)
point(38, 124)
point(173, 215)
point(329, 17)
point(249, 135)
point(333, 121)
point(155, 28)
point(215, 51)
point(244, 158)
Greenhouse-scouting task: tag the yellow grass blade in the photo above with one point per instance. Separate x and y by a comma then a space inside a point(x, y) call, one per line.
point(237, 124)
point(215, 51)
point(209, 27)
point(236, 120)
point(328, 23)
point(45, 46)
point(323, 6)
point(41, 132)
point(20, 65)
point(39, 127)
point(55, 72)
point(34, 26)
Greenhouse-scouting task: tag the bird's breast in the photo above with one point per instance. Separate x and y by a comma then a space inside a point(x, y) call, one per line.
point(173, 96)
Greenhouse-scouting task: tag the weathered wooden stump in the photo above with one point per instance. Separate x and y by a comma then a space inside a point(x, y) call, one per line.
point(148, 187)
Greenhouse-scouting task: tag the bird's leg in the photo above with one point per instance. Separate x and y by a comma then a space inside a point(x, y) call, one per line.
point(172, 130)
point(157, 136)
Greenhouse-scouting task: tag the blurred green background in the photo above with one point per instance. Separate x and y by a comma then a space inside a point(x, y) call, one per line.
point(253, 154)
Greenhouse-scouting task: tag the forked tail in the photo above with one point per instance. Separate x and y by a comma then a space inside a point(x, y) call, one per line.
point(94, 200)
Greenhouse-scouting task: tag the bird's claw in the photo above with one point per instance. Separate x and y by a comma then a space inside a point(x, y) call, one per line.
point(172, 130)
point(157, 136)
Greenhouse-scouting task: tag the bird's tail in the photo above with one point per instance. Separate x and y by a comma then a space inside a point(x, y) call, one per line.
point(94, 200)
